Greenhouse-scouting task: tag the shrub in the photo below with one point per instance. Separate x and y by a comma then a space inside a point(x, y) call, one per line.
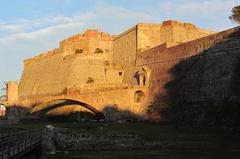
point(79, 51)
point(90, 80)
point(98, 50)
point(65, 91)
point(106, 63)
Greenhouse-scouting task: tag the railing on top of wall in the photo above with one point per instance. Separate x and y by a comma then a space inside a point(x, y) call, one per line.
point(14, 143)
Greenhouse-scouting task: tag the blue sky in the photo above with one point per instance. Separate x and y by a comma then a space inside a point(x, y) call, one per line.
point(30, 27)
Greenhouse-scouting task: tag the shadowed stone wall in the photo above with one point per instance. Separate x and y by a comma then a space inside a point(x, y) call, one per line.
point(200, 72)
point(145, 36)
point(99, 69)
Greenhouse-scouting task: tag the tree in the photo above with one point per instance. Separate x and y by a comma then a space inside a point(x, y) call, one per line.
point(235, 17)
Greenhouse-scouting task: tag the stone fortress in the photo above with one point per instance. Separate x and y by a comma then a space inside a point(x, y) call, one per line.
point(130, 70)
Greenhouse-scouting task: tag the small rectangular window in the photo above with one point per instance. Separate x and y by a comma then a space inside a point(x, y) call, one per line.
point(106, 50)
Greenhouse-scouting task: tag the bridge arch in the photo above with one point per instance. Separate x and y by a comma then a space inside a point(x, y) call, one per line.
point(43, 108)
point(3, 103)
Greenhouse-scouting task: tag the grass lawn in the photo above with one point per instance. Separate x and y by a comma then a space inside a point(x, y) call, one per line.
point(180, 143)
point(148, 154)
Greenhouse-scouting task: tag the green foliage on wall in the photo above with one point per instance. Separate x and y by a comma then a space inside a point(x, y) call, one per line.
point(98, 50)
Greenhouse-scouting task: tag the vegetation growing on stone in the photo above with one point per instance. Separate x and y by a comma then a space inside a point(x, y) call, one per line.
point(98, 50)
point(90, 80)
point(106, 63)
point(65, 90)
point(79, 51)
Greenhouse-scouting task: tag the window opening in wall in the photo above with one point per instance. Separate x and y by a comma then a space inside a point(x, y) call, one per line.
point(106, 50)
point(90, 80)
point(144, 80)
point(139, 97)
point(78, 51)
point(142, 77)
point(98, 50)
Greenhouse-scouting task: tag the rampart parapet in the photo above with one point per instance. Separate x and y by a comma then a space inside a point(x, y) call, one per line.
point(126, 70)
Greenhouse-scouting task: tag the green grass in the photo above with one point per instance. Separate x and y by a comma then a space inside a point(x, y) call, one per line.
point(182, 142)
point(148, 154)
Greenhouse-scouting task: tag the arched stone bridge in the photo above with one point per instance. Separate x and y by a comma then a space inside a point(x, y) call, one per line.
point(42, 109)
point(96, 101)
point(3, 103)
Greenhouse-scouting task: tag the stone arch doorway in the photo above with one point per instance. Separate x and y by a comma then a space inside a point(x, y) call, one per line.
point(143, 76)
point(42, 109)
point(139, 96)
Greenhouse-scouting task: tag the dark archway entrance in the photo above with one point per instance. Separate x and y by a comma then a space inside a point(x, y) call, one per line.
point(139, 96)
point(41, 110)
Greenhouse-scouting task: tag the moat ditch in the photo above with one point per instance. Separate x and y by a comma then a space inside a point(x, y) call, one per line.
point(137, 140)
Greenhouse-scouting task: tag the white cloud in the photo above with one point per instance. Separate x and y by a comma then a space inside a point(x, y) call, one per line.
point(47, 32)
point(27, 37)
point(26, 25)
point(108, 18)
point(10, 27)
point(210, 14)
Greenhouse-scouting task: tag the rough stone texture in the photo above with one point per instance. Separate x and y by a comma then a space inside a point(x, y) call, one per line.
point(12, 92)
point(170, 32)
point(125, 49)
point(109, 78)
point(100, 99)
point(63, 68)
point(67, 139)
point(145, 36)
point(203, 71)
point(88, 42)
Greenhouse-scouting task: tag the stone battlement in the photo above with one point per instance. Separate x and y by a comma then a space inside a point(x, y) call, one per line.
point(42, 56)
point(88, 34)
point(100, 69)
point(91, 39)
point(78, 41)
point(174, 22)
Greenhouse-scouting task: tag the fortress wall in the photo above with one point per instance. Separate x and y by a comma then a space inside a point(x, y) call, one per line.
point(170, 32)
point(42, 76)
point(104, 100)
point(88, 41)
point(106, 46)
point(125, 48)
point(54, 74)
point(127, 45)
point(202, 70)
point(184, 32)
point(73, 43)
point(62, 70)
point(123, 99)
point(149, 35)
point(12, 92)
point(81, 69)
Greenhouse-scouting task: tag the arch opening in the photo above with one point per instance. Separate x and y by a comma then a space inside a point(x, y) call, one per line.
point(139, 96)
point(142, 76)
point(43, 109)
